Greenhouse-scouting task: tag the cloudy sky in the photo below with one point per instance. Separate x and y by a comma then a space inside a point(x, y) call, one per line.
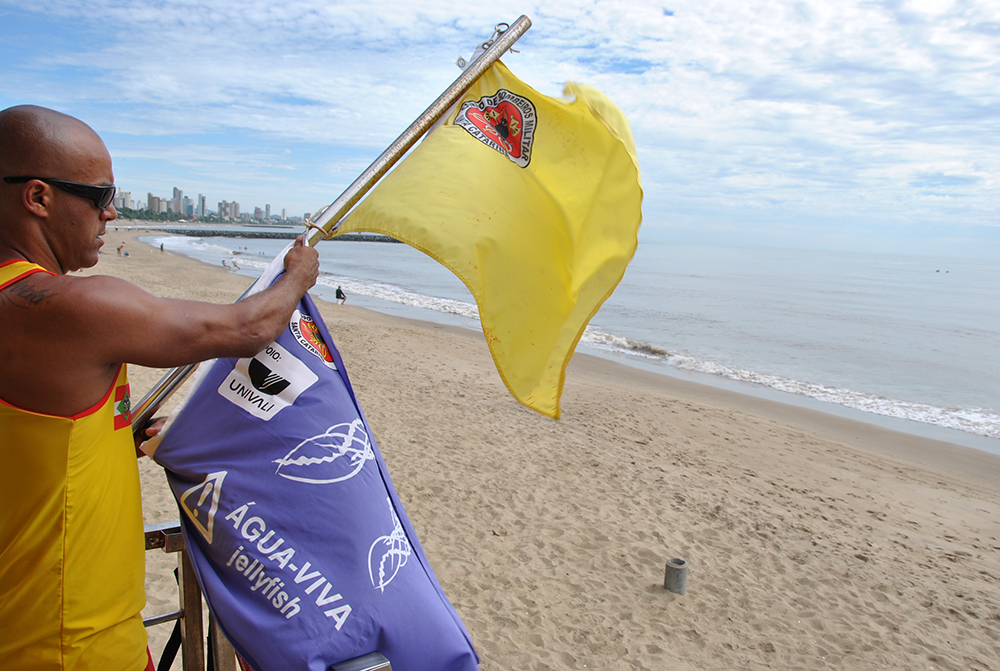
point(860, 125)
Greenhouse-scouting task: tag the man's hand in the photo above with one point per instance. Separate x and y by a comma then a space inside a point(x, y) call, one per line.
point(152, 428)
point(302, 263)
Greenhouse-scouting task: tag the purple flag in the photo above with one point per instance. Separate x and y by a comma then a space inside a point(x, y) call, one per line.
point(297, 536)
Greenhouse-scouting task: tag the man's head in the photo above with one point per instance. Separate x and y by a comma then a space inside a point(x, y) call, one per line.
point(43, 221)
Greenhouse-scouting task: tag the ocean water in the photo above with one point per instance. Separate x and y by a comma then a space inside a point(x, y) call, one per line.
point(913, 341)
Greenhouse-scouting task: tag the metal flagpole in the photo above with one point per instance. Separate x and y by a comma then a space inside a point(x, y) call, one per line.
point(329, 218)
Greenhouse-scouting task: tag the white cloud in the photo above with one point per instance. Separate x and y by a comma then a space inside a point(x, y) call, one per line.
point(779, 106)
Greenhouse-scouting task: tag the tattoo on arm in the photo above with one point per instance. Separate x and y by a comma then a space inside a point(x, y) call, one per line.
point(24, 294)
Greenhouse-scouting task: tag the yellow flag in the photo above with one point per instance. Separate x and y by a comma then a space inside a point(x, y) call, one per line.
point(535, 204)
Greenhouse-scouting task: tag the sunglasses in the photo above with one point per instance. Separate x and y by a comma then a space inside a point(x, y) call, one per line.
point(101, 195)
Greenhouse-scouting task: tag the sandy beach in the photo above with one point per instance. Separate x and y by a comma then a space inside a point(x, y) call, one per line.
point(813, 541)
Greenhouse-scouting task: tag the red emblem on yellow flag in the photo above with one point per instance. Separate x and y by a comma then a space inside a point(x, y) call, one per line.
point(503, 121)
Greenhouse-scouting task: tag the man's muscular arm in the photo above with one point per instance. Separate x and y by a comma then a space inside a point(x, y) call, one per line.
point(64, 336)
point(128, 324)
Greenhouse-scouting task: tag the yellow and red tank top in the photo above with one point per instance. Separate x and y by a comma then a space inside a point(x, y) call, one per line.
point(72, 558)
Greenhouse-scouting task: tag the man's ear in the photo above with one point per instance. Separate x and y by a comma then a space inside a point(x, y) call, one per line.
point(37, 198)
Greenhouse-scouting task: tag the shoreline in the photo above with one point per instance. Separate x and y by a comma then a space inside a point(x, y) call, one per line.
point(814, 541)
point(935, 432)
point(941, 455)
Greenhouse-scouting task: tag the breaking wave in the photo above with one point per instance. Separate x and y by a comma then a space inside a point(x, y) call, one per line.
point(397, 294)
point(971, 420)
point(196, 247)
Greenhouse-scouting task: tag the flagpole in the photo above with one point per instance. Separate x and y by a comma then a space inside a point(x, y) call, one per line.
point(329, 218)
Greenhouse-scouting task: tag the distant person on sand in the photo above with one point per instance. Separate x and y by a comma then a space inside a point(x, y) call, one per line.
point(71, 546)
point(120, 247)
point(341, 296)
point(161, 248)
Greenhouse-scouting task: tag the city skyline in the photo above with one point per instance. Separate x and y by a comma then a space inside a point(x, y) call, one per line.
point(181, 204)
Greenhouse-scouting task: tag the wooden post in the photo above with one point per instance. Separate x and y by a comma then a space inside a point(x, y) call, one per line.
point(193, 647)
point(223, 653)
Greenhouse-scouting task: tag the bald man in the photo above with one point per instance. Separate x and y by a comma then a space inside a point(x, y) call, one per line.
point(71, 542)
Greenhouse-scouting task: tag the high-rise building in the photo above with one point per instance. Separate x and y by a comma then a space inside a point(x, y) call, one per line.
point(155, 204)
point(229, 210)
point(283, 217)
point(187, 207)
point(123, 199)
point(201, 206)
point(267, 212)
point(178, 200)
point(258, 213)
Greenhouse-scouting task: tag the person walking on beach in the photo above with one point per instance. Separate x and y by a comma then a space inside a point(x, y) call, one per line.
point(341, 296)
point(71, 548)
